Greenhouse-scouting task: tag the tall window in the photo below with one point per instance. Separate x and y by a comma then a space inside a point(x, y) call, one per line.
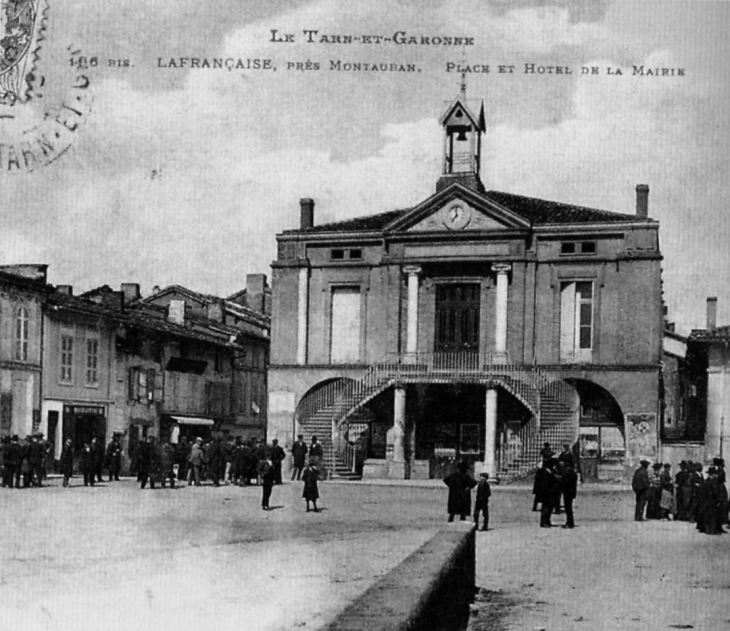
point(21, 334)
point(67, 358)
point(345, 328)
point(576, 321)
point(92, 361)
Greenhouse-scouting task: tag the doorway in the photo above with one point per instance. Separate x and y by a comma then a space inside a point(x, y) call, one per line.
point(457, 318)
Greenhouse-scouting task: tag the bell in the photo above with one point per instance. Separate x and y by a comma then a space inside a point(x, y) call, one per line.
point(462, 135)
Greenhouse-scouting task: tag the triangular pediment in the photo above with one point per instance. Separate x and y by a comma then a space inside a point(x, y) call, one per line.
point(458, 209)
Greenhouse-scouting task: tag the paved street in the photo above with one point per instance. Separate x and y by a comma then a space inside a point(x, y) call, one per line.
point(115, 557)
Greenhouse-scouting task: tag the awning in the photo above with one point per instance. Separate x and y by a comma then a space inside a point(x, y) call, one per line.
point(192, 420)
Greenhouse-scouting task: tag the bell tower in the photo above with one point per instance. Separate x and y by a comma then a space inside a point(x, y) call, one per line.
point(463, 131)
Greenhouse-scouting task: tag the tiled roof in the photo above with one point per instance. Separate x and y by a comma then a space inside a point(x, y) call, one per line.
point(536, 211)
point(720, 334)
point(369, 222)
point(542, 211)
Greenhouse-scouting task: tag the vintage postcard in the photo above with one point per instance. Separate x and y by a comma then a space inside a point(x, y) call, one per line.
point(164, 152)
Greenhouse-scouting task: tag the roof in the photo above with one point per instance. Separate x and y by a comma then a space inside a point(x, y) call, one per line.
point(719, 334)
point(535, 211)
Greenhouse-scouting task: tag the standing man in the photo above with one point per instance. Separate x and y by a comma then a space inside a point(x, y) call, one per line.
point(460, 484)
point(481, 503)
point(13, 461)
point(167, 464)
point(67, 462)
point(547, 490)
point(277, 457)
point(640, 486)
point(569, 489)
point(195, 461)
point(86, 464)
point(114, 458)
point(265, 471)
point(316, 454)
point(299, 457)
point(145, 458)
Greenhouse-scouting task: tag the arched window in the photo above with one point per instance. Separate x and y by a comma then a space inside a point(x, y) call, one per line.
point(21, 334)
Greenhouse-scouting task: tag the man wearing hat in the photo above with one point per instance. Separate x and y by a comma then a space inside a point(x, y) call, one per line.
point(299, 457)
point(460, 484)
point(481, 503)
point(640, 485)
point(195, 461)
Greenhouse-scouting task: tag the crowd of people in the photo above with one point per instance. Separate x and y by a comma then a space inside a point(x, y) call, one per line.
point(230, 461)
point(556, 481)
point(692, 495)
point(24, 463)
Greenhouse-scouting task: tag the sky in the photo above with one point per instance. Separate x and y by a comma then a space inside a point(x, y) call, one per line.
point(185, 175)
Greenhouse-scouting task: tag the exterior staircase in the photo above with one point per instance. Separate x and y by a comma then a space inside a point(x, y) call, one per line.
point(324, 412)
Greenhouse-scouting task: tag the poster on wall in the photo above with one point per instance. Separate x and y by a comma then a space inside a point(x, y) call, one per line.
point(166, 144)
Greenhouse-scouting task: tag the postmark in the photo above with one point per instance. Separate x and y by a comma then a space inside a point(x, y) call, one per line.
point(40, 114)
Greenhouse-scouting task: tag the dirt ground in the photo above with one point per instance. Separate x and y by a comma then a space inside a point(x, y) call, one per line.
point(608, 573)
point(115, 557)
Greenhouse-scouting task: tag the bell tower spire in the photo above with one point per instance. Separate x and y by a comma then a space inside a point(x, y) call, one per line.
point(463, 125)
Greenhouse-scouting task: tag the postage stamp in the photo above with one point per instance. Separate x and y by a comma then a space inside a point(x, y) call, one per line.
point(37, 125)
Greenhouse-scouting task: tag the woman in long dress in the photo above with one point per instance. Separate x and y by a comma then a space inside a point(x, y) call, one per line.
point(311, 489)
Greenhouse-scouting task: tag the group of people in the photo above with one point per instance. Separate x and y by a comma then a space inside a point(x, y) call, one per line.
point(23, 463)
point(460, 484)
point(556, 480)
point(691, 495)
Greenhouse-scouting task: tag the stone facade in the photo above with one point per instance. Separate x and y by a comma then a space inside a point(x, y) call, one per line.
point(536, 319)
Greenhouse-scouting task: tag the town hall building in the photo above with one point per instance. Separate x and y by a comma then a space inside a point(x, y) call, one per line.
point(476, 325)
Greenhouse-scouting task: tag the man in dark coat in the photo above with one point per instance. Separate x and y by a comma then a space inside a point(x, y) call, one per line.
point(277, 457)
point(114, 458)
point(640, 486)
point(569, 489)
point(216, 461)
point(67, 462)
point(167, 464)
point(481, 502)
point(316, 454)
point(86, 464)
point(460, 484)
point(265, 471)
point(145, 462)
point(13, 461)
point(547, 491)
point(299, 457)
point(99, 452)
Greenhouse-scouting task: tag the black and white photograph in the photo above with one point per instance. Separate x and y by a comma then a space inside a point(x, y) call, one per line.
point(364, 316)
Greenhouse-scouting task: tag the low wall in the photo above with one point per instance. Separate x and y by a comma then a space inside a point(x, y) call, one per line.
point(430, 590)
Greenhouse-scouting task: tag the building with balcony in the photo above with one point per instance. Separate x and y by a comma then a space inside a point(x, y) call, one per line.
point(476, 325)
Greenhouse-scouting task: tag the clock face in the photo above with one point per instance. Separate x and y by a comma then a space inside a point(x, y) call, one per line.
point(456, 216)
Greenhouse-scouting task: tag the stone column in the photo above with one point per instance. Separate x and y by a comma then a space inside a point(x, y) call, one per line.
point(490, 434)
point(303, 316)
point(500, 336)
point(398, 464)
point(412, 323)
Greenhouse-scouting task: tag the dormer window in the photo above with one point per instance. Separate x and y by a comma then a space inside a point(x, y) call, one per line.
point(568, 248)
point(346, 254)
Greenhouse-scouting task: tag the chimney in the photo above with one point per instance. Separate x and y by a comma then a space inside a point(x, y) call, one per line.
point(131, 292)
point(176, 312)
point(642, 200)
point(307, 214)
point(256, 291)
point(712, 313)
point(65, 290)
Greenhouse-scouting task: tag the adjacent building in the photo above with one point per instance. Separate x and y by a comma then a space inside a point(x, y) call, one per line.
point(476, 326)
point(22, 294)
point(177, 363)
